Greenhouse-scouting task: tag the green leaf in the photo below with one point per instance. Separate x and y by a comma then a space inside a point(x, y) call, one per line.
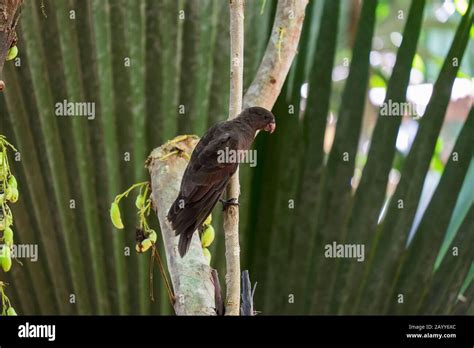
point(420, 255)
point(102, 31)
point(37, 62)
point(335, 195)
point(393, 233)
point(75, 90)
point(464, 201)
point(445, 284)
point(39, 215)
point(314, 125)
point(370, 194)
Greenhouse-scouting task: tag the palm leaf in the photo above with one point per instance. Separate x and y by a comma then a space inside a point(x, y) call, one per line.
point(370, 194)
point(175, 61)
point(393, 232)
point(335, 195)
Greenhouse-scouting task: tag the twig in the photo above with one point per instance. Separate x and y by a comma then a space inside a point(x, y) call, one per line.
point(150, 271)
point(231, 215)
point(164, 276)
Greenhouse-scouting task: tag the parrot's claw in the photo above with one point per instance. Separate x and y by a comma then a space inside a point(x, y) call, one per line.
point(228, 202)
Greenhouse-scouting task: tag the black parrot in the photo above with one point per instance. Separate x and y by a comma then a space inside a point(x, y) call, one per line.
point(206, 175)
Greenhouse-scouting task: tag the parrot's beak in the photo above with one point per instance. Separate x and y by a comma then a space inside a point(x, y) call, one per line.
point(270, 127)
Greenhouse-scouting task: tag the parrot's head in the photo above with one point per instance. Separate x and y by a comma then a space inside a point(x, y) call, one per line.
point(260, 118)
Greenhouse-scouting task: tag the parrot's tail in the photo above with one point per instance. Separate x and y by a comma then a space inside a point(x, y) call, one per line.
point(184, 243)
point(187, 218)
point(183, 224)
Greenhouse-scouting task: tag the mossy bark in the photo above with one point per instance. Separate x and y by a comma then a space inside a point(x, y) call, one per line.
point(191, 276)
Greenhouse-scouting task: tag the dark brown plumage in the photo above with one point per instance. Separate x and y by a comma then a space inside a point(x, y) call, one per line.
point(205, 178)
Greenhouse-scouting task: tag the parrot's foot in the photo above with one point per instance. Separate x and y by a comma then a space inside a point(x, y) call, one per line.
point(228, 202)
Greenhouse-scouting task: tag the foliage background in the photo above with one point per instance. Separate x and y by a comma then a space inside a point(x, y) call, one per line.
point(185, 62)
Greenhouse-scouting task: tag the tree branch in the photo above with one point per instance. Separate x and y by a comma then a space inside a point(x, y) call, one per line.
point(231, 215)
point(191, 276)
point(279, 55)
point(9, 12)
